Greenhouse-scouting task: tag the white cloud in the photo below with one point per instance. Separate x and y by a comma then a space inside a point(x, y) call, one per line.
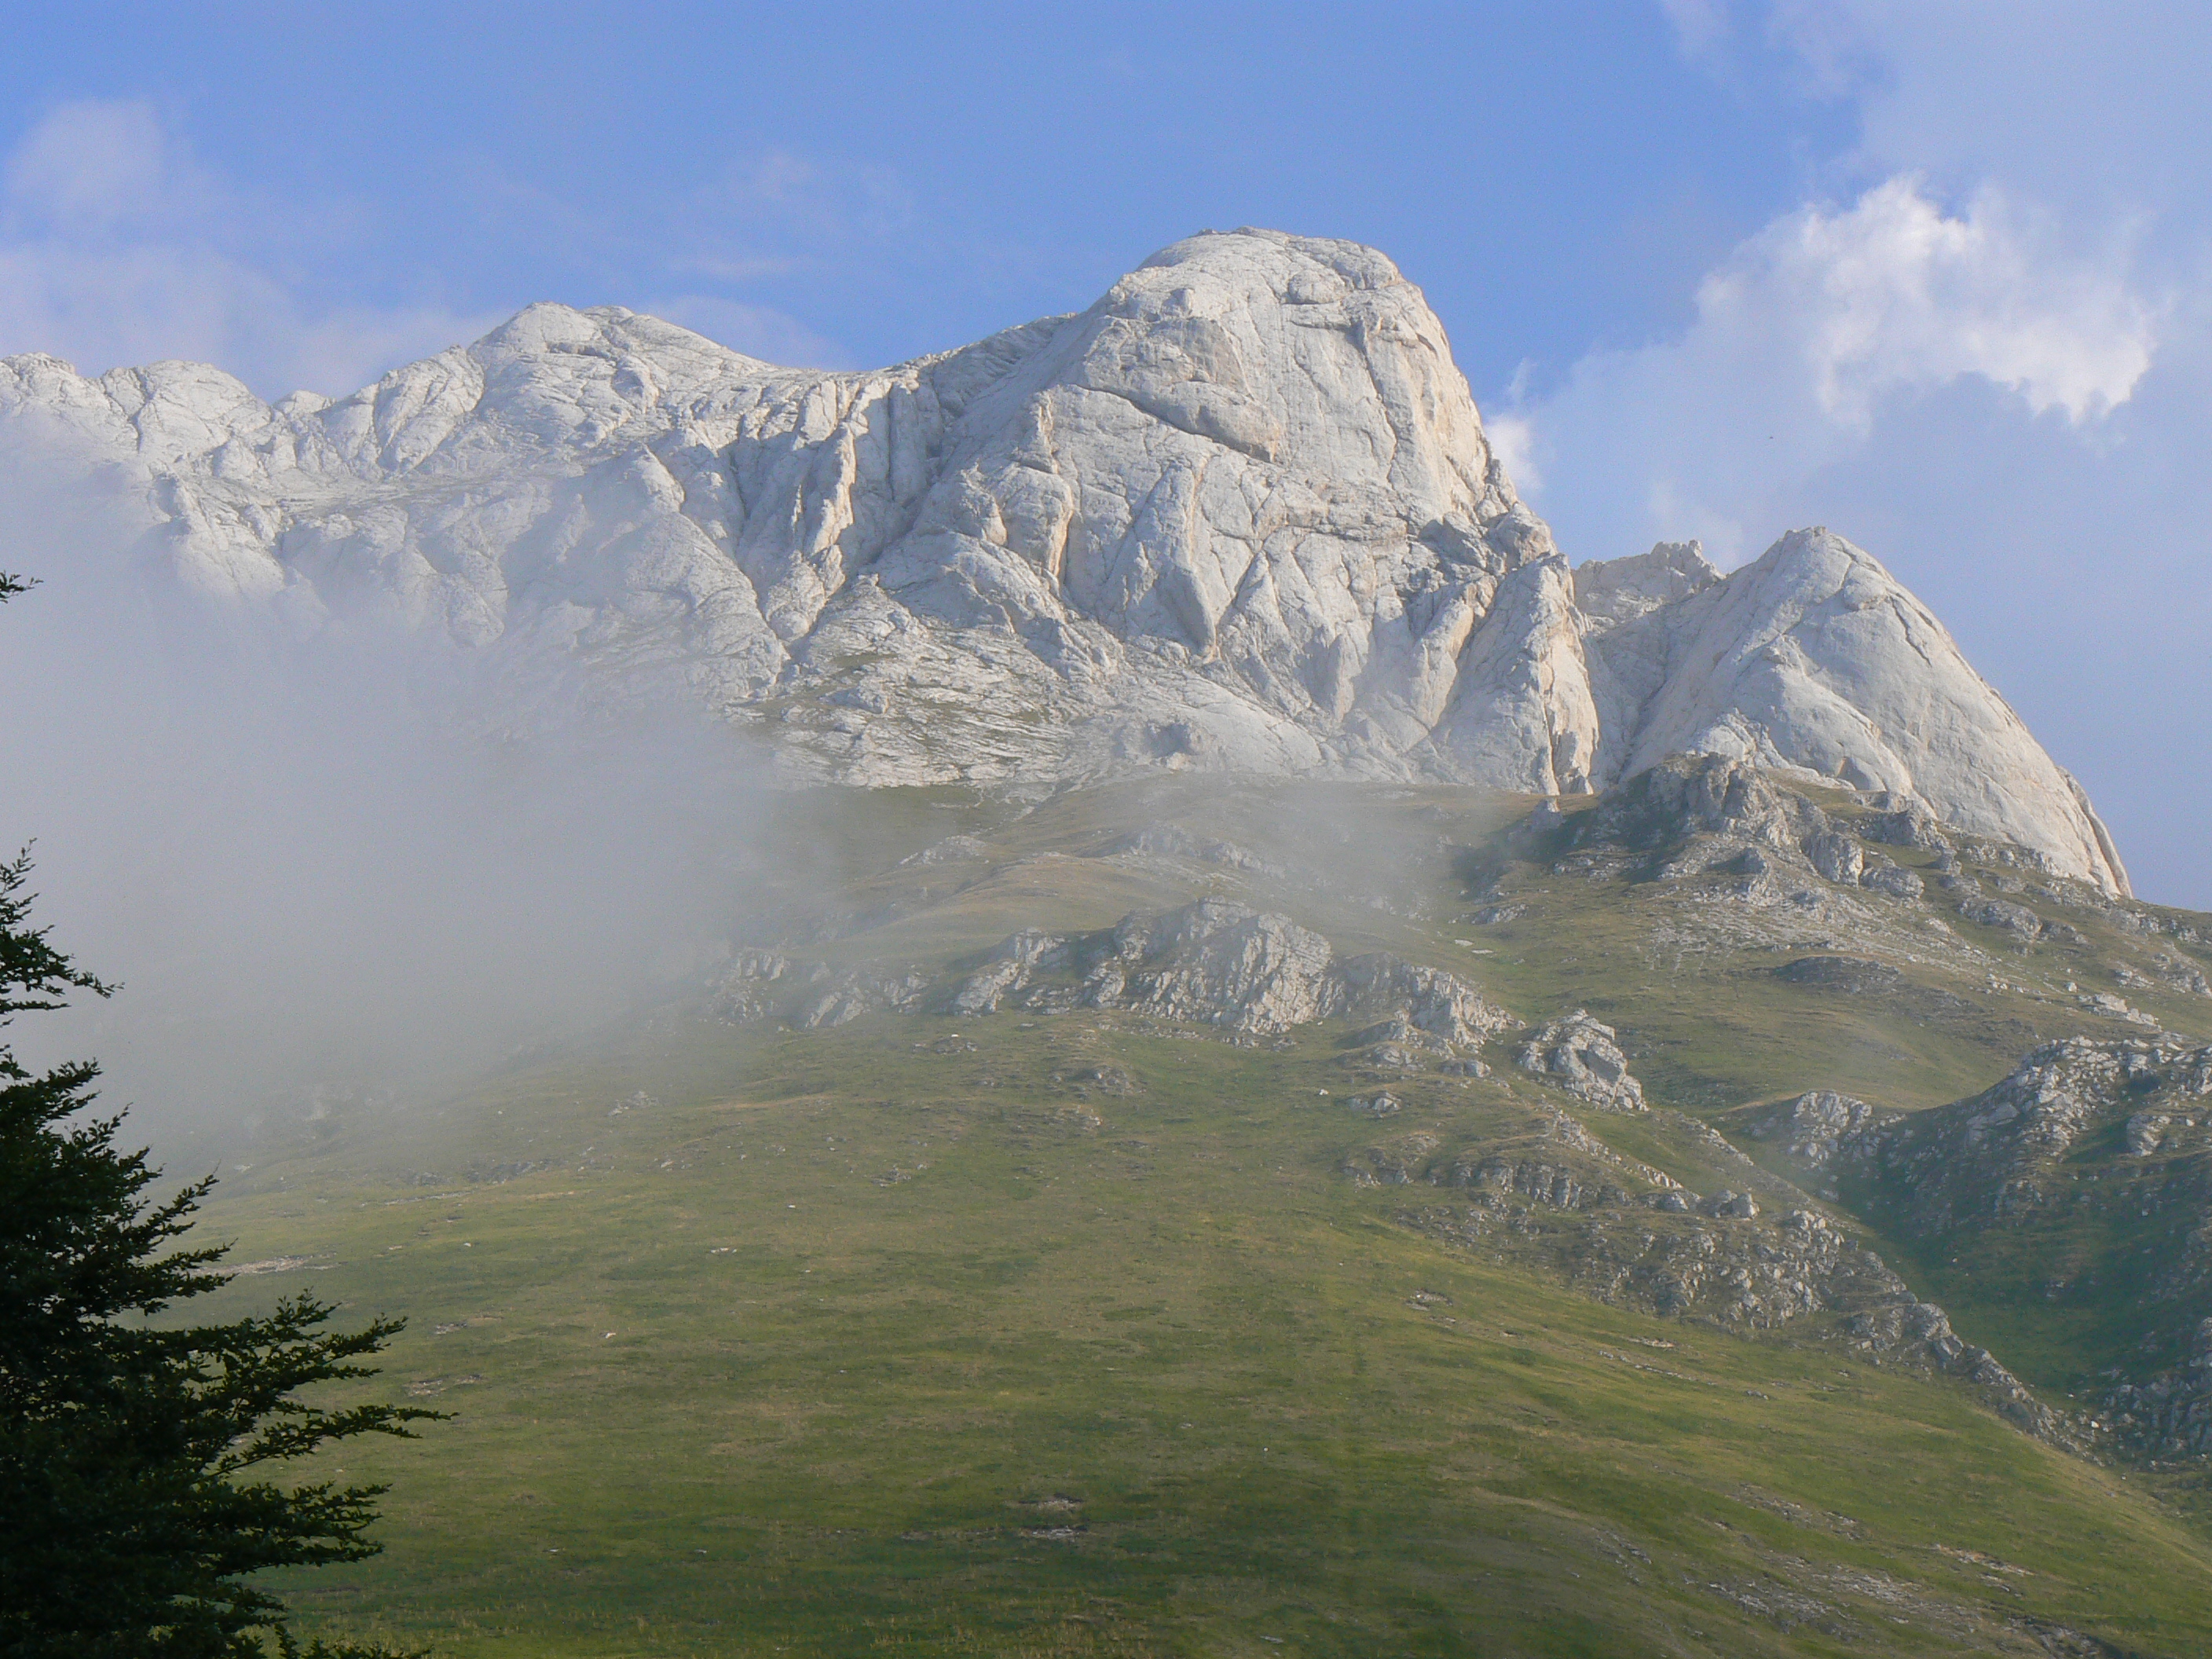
point(143, 302)
point(1893, 293)
point(1804, 336)
point(96, 163)
point(116, 247)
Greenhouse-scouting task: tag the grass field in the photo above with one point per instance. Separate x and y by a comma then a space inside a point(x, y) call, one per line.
point(834, 1347)
point(1069, 1335)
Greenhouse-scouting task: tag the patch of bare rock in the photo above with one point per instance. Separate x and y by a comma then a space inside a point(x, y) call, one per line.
point(1221, 964)
point(1880, 867)
point(1584, 1057)
point(758, 986)
point(2083, 1140)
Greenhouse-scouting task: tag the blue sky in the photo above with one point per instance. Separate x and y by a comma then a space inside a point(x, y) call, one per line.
point(1933, 274)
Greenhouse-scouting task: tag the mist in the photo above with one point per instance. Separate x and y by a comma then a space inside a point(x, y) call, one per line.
point(341, 863)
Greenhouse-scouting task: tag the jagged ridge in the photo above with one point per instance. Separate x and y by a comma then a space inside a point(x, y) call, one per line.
point(1240, 514)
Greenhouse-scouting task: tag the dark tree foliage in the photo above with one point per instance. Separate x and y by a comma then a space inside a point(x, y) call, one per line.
point(136, 1458)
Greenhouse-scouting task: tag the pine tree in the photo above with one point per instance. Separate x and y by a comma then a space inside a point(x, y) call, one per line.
point(136, 1457)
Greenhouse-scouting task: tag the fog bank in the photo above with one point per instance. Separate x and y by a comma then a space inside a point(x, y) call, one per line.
point(334, 865)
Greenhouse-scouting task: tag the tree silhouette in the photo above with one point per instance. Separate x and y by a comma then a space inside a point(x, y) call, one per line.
point(137, 1457)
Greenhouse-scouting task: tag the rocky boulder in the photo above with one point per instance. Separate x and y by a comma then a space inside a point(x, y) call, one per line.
point(1582, 1056)
point(1839, 857)
point(2001, 914)
point(1685, 796)
point(1819, 1124)
point(1884, 877)
point(1219, 963)
point(764, 987)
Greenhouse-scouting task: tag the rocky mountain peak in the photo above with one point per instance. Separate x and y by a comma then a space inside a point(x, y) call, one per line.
point(1239, 514)
point(1815, 660)
point(1609, 592)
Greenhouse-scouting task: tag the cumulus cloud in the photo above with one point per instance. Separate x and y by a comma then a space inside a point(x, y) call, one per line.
point(1513, 440)
point(1893, 293)
point(1804, 336)
point(95, 164)
point(117, 248)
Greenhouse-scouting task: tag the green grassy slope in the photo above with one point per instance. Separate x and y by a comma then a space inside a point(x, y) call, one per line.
point(924, 1335)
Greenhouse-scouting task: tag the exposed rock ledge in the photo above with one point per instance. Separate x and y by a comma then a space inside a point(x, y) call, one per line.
point(1696, 810)
point(1222, 964)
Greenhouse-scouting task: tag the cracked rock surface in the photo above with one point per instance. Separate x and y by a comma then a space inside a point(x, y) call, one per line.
point(1240, 514)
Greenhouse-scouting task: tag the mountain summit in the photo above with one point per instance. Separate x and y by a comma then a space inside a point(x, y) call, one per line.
point(1240, 514)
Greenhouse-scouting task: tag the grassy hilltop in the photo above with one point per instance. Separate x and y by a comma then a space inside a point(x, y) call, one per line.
point(1088, 1331)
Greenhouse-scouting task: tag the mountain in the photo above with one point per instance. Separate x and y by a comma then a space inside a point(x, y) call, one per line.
point(1238, 516)
point(1411, 1098)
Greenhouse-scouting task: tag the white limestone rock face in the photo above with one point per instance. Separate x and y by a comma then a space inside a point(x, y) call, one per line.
point(1614, 591)
point(1240, 514)
point(1814, 659)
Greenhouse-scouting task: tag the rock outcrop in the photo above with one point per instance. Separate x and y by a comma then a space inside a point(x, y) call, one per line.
point(2005, 1154)
point(1815, 660)
point(1239, 514)
point(2084, 1177)
point(1584, 1057)
point(1696, 813)
point(757, 986)
point(1820, 1123)
point(1220, 964)
point(1921, 1329)
point(1685, 796)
